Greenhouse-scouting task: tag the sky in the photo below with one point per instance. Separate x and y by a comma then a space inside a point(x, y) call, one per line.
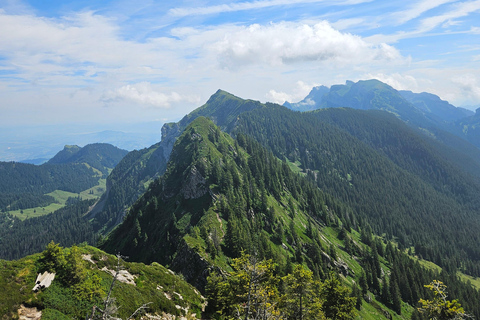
point(125, 61)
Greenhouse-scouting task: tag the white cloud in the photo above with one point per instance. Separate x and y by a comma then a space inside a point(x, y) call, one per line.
point(457, 11)
point(77, 46)
point(395, 80)
point(143, 94)
point(343, 24)
point(166, 70)
point(242, 6)
point(285, 43)
point(300, 91)
point(278, 97)
point(448, 18)
point(474, 30)
point(418, 9)
point(469, 86)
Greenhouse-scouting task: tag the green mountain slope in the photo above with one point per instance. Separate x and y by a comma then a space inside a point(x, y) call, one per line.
point(125, 184)
point(67, 225)
point(73, 169)
point(425, 111)
point(422, 109)
point(396, 182)
point(469, 127)
point(420, 178)
point(220, 196)
point(49, 193)
point(372, 94)
point(64, 155)
point(129, 178)
point(25, 185)
point(101, 156)
point(83, 276)
point(216, 185)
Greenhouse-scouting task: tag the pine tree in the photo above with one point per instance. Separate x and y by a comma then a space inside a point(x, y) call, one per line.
point(301, 299)
point(338, 304)
point(385, 296)
point(396, 298)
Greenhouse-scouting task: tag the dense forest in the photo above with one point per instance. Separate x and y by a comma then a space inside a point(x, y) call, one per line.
point(246, 199)
point(101, 156)
point(73, 169)
point(125, 184)
point(67, 225)
point(420, 199)
point(25, 185)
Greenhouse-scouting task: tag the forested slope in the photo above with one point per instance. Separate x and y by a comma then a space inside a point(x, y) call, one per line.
point(67, 226)
point(220, 196)
point(130, 177)
point(395, 183)
point(101, 156)
point(125, 184)
point(25, 185)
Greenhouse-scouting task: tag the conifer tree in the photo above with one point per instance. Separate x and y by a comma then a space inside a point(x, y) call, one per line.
point(338, 304)
point(301, 295)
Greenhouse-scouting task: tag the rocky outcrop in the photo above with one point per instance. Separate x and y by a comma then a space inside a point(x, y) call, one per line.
point(25, 313)
point(170, 132)
point(195, 185)
point(343, 268)
point(194, 268)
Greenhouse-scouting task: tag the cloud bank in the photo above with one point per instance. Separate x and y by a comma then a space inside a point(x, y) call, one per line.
point(143, 94)
point(288, 43)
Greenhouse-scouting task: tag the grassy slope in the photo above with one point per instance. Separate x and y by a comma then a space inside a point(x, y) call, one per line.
point(60, 199)
point(153, 283)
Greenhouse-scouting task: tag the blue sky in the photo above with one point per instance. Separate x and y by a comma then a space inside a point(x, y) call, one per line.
point(124, 61)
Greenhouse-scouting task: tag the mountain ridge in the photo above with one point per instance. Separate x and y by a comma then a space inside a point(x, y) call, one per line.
point(101, 156)
point(147, 170)
point(425, 111)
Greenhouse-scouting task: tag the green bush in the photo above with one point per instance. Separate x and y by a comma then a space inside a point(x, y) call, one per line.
point(51, 314)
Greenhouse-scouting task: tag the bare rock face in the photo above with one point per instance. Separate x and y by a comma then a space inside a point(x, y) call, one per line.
point(192, 266)
point(170, 133)
point(343, 268)
point(195, 185)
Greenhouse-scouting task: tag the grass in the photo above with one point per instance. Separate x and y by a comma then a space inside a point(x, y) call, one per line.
point(60, 200)
point(295, 166)
point(474, 281)
point(429, 265)
point(152, 282)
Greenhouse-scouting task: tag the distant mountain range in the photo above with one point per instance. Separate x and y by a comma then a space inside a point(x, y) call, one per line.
point(423, 110)
point(37, 144)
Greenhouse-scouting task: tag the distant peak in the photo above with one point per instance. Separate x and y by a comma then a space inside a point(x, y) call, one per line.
point(221, 95)
point(221, 92)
